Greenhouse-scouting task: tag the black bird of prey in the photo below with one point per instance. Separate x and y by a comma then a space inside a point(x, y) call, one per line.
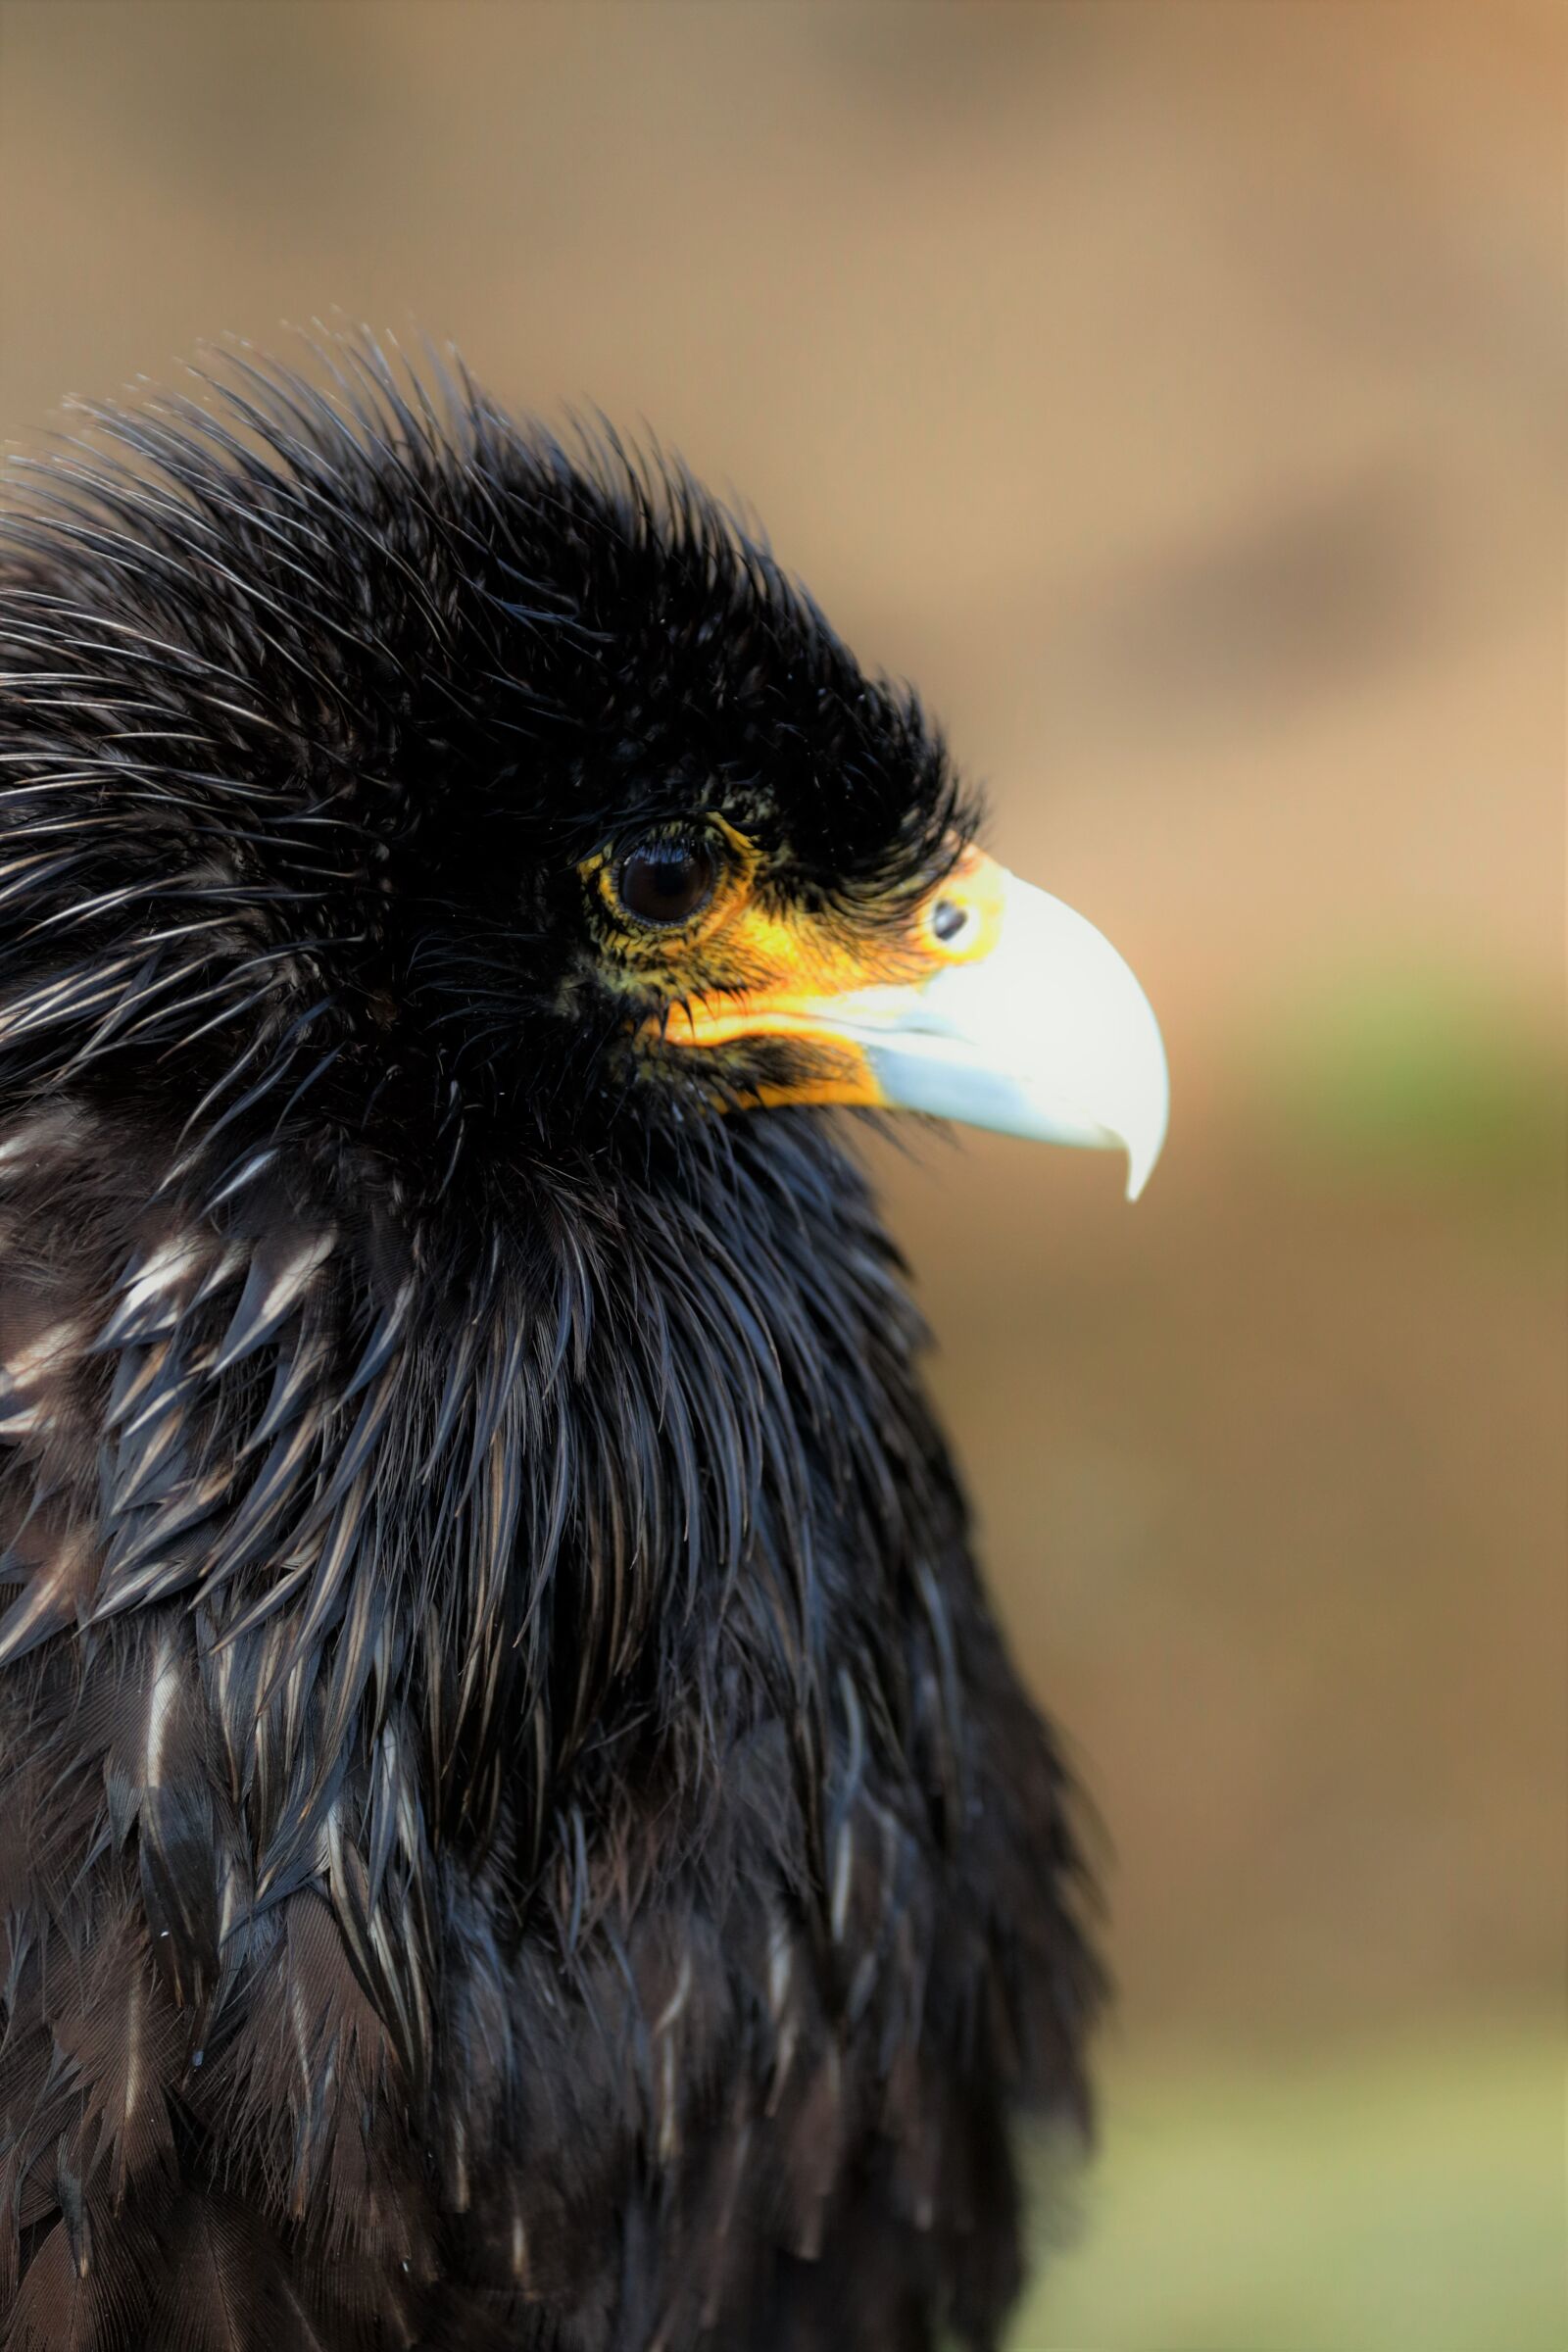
point(516, 1826)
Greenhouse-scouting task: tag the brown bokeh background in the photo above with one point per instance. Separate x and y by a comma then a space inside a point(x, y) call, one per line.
point(1176, 392)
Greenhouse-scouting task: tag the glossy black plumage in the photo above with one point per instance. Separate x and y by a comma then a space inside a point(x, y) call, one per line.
point(516, 1828)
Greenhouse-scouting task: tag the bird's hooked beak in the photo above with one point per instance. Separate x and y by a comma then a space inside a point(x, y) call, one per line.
point(999, 1006)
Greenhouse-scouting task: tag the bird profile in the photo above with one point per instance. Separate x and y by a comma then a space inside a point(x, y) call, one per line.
point(518, 1828)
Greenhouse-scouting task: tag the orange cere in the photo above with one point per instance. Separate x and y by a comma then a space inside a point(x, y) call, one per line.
point(804, 973)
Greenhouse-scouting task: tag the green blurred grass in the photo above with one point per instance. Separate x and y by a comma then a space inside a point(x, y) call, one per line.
point(1410, 1072)
point(1409, 2199)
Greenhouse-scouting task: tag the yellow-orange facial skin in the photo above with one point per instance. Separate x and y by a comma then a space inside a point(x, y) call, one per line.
point(978, 997)
point(745, 968)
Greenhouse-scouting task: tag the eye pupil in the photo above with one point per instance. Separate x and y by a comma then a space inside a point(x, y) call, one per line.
point(666, 882)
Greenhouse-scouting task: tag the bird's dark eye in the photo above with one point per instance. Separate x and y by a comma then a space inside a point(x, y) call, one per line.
point(666, 882)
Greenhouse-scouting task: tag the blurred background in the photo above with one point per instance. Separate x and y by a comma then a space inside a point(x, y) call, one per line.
point(1176, 393)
